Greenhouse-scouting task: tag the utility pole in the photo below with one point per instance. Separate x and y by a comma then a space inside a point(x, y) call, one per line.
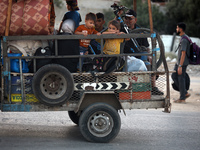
point(135, 5)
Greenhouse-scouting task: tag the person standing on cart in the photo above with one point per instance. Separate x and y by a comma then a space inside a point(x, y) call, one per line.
point(130, 21)
point(72, 13)
point(182, 63)
point(100, 22)
point(95, 44)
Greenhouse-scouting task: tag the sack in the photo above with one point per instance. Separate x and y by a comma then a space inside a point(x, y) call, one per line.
point(194, 57)
point(135, 64)
point(41, 62)
point(175, 79)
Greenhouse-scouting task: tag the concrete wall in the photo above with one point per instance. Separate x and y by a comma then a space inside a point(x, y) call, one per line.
point(167, 40)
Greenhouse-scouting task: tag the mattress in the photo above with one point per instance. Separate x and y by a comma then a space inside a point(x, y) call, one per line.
point(28, 17)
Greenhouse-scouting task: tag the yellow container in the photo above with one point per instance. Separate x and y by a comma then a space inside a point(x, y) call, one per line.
point(28, 98)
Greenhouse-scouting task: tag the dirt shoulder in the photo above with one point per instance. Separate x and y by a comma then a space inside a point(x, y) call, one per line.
point(193, 102)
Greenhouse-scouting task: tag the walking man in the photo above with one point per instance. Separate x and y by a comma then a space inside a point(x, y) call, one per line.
point(182, 63)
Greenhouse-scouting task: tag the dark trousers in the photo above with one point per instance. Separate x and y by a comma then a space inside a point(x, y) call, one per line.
point(181, 81)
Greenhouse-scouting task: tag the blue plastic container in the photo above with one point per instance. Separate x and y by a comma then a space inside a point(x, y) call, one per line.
point(14, 63)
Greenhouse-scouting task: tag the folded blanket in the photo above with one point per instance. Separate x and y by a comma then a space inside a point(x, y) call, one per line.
point(28, 17)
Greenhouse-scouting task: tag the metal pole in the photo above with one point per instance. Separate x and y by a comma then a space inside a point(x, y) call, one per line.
point(173, 40)
point(8, 17)
point(153, 37)
point(135, 5)
point(150, 16)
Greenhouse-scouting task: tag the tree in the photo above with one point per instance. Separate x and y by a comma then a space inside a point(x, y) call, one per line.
point(143, 15)
point(184, 11)
point(58, 3)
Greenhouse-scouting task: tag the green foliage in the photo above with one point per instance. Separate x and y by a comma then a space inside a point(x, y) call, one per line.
point(108, 15)
point(142, 14)
point(187, 11)
point(184, 11)
point(58, 3)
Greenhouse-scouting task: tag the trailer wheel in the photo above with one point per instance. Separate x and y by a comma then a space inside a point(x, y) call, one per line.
point(99, 122)
point(159, 40)
point(74, 117)
point(53, 85)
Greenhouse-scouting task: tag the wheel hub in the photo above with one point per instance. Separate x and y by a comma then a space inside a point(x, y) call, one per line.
point(53, 85)
point(100, 124)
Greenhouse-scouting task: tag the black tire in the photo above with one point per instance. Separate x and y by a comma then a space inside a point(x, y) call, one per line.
point(160, 43)
point(99, 122)
point(74, 117)
point(53, 85)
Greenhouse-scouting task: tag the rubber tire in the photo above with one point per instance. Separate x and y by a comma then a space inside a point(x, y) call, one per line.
point(60, 78)
point(74, 117)
point(92, 115)
point(160, 43)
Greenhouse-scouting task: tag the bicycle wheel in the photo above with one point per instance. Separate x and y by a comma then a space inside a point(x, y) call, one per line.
point(158, 40)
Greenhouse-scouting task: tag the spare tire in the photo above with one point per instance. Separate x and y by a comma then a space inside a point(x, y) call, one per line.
point(53, 84)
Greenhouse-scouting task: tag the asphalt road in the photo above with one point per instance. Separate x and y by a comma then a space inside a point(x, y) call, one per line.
point(140, 130)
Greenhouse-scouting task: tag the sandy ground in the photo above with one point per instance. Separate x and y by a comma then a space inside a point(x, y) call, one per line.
point(193, 102)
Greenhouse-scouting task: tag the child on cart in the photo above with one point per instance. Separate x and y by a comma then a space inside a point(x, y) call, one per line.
point(112, 46)
point(86, 29)
point(72, 13)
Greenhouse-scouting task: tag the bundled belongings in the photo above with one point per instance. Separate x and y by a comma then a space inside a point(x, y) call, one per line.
point(135, 64)
point(67, 47)
point(30, 48)
point(46, 51)
point(175, 84)
point(26, 47)
point(28, 17)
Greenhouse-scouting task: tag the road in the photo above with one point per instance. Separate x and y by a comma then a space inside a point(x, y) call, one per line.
point(141, 129)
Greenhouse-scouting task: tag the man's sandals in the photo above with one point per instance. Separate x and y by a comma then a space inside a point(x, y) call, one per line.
point(182, 101)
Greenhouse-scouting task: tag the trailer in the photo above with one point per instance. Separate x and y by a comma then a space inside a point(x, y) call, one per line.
point(92, 99)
